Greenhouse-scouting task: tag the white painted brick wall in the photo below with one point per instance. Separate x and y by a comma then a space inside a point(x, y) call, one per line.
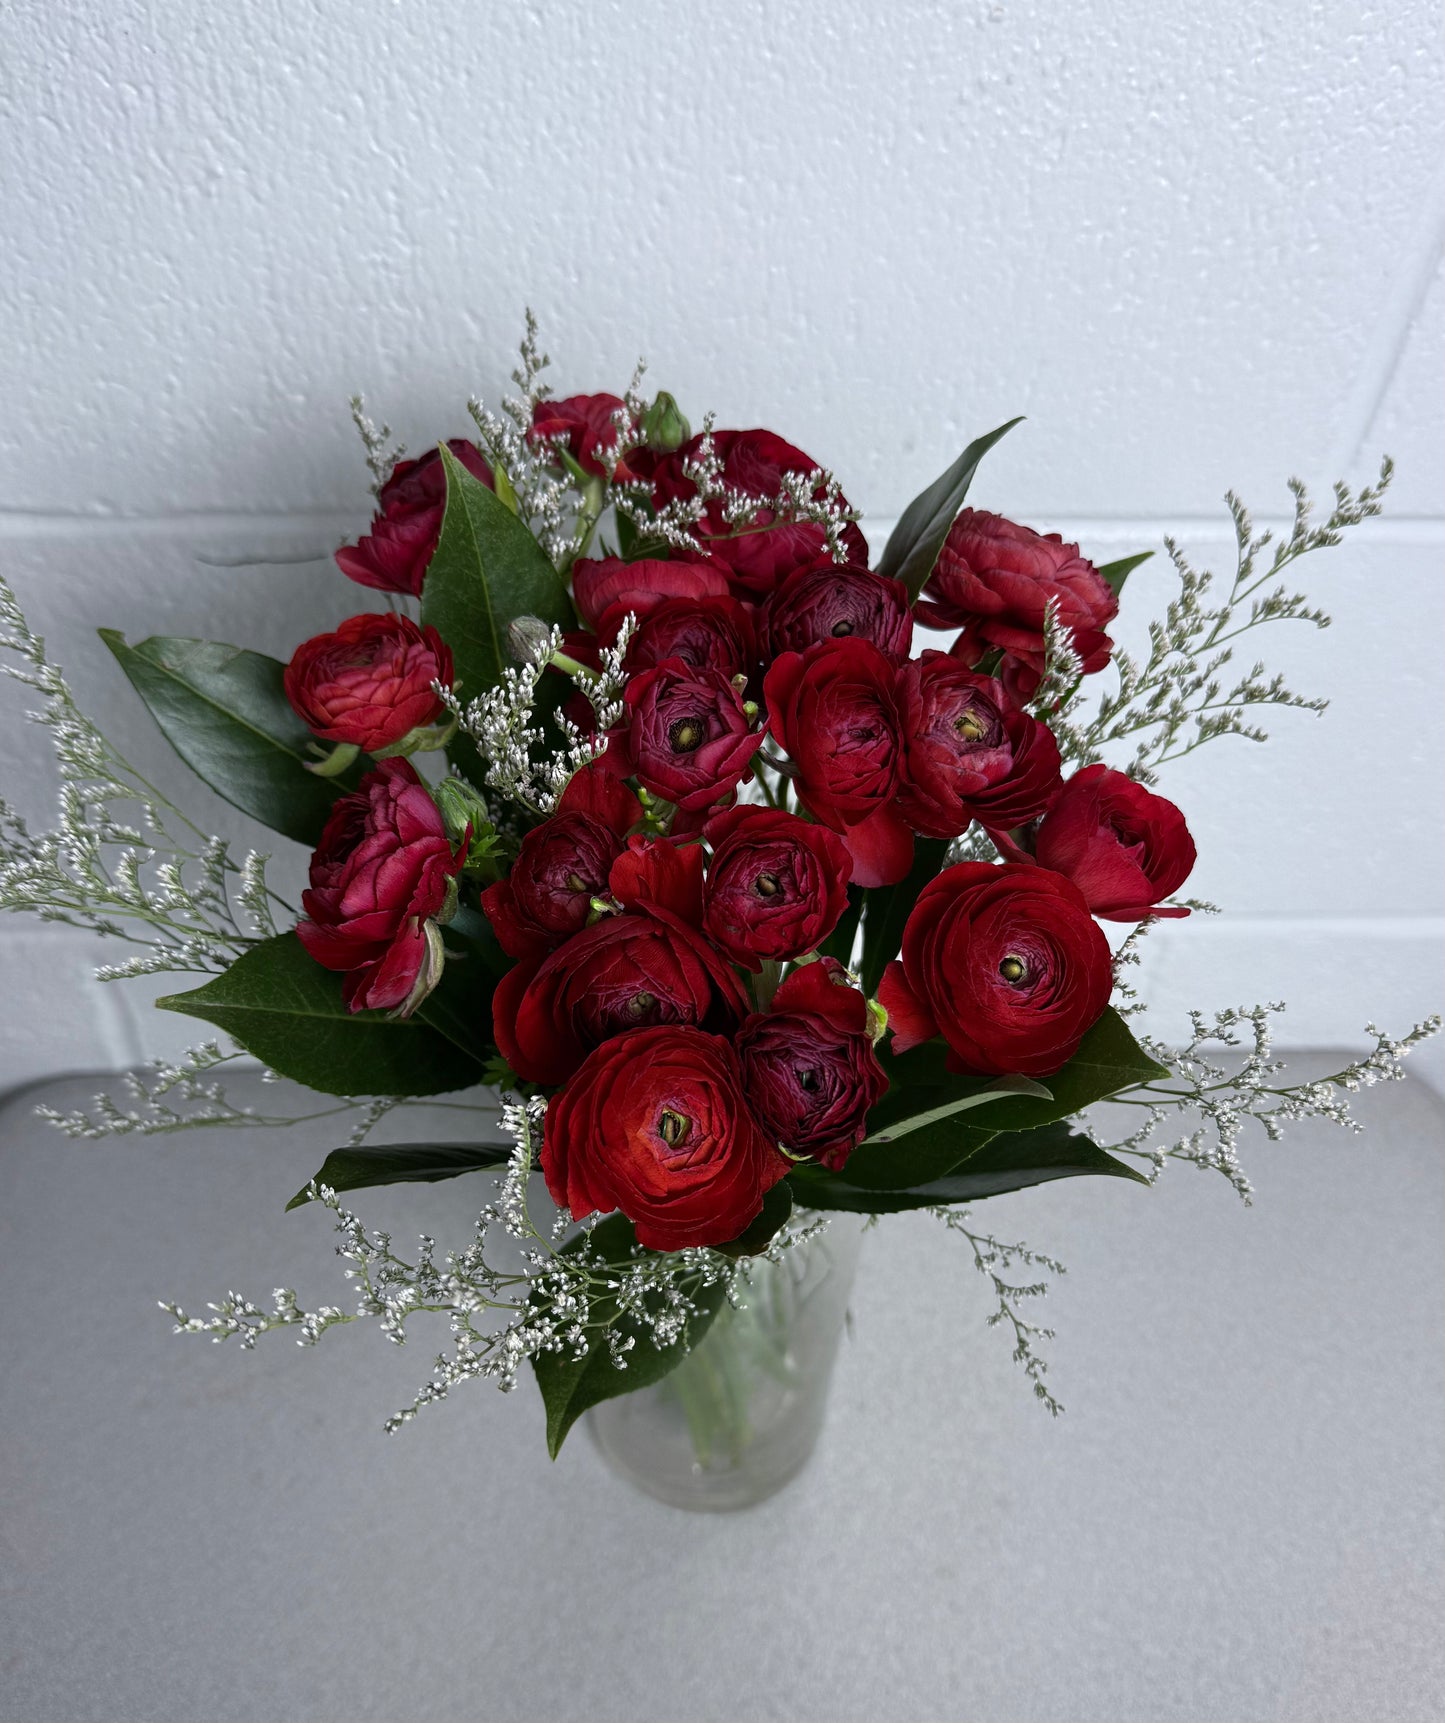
point(1199, 247)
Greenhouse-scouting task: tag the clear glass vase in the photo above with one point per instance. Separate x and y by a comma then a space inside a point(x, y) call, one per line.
point(740, 1416)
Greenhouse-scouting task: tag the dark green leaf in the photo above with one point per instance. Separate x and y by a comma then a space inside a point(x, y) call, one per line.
point(633, 545)
point(570, 1385)
point(918, 1158)
point(403, 1163)
point(914, 544)
point(1116, 573)
point(889, 906)
point(486, 571)
point(225, 713)
point(839, 943)
point(759, 1233)
point(1109, 1059)
point(281, 1005)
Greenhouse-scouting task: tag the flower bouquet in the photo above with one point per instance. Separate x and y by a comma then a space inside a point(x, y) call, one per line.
point(638, 803)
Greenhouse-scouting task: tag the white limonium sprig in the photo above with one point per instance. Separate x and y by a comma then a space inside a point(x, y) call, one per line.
point(381, 453)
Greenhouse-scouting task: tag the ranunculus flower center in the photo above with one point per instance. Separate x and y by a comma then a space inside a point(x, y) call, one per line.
point(686, 734)
point(1013, 969)
point(672, 1127)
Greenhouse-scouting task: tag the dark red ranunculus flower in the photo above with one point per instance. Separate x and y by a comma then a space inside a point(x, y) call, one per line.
point(586, 423)
point(562, 865)
point(707, 633)
point(753, 462)
point(994, 579)
point(654, 1124)
point(969, 752)
point(625, 972)
point(809, 1069)
point(1006, 963)
point(686, 736)
point(836, 601)
point(656, 872)
point(378, 877)
point(369, 682)
point(834, 710)
point(1124, 847)
point(394, 555)
point(606, 587)
point(776, 884)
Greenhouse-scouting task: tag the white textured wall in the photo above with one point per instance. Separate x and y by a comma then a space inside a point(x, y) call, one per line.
point(1197, 246)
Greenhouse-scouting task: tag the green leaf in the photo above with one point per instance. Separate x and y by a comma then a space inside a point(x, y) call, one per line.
point(1116, 573)
point(225, 713)
point(570, 1385)
point(914, 544)
point(889, 907)
point(913, 1122)
point(633, 545)
point(281, 1005)
point(486, 571)
point(1009, 1162)
point(402, 1163)
point(760, 1233)
point(1109, 1059)
point(839, 942)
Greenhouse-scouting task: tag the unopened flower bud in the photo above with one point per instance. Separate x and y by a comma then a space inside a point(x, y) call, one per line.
point(528, 638)
point(462, 808)
point(664, 427)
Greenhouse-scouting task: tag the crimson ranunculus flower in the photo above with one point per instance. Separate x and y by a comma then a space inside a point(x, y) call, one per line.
point(654, 1124)
point(606, 587)
point(1006, 963)
point(686, 735)
point(835, 601)
point(834, 710)
point(1124, 847)
point(394, 555)
point(776, 884)
point(809, 1069)
point(586, 423)
point(654, 872)
point(562, 865)
point(761, 554)
point(707, 633)
point(625, 972)
point(370, 682)
point(994, 579)
point(969, 752)
point(378, 877)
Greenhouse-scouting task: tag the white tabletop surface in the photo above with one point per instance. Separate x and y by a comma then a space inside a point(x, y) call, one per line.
point(1238, 1517)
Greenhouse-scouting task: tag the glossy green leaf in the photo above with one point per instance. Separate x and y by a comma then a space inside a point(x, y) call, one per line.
point(1109, 1059)
point(403, 1163)
point(1116, 573)
point(226, 714)
point(570, 1385)
point(888, 908)
point(760, 1233)
point(282, 1006)
point(914, 544)
point(486, 571)
point(911, 1123)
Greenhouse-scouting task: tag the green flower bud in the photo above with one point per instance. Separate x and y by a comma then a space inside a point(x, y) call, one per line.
point(664, 427)
point(461, 806)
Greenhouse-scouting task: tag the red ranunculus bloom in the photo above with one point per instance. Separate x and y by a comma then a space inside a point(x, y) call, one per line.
point(994, 579)
point(834, 709)
point(606, 588)
point(378, 875)
point(370, 682)
point(654, 1124)
point(394, 555)
point(654, 872)
point(834, 601)
point(753, 462)
point(1003, 961)
point(776, 884)
point(1124, 847)
point(809, 1069)
point(585, 421)
point(625, 972)
point(707, 633)
point(562, 865)
point(969, 752)
point(685, 736)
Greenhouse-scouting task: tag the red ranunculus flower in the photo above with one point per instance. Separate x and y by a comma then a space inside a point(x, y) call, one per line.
point(707, 633)
point(654, 872)
point(378, 876)
point(835, 601)
point(625, 972)
point(753, 462)
point(562, 865)
point(834, 709)
point(686, 735)
point(994, 579)
point(969, 752)
point(1124, 847)
point(809, 1069)
point(776, 884)
point(1005, 963)
point(586, 423)
point(370, 682)
point(606, 587)
point(654, 1124)
point(394, 555)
